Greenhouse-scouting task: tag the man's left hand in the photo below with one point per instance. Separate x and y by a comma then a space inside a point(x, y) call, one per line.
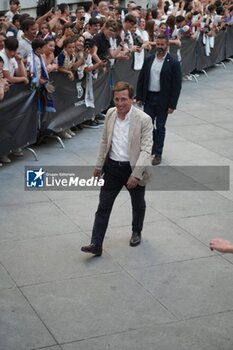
point(170, 111)
point(132, 182)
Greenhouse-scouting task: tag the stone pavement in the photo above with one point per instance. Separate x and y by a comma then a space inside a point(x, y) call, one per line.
point(169, 293)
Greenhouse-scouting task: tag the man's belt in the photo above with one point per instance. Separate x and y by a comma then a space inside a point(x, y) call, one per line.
point(119, 163)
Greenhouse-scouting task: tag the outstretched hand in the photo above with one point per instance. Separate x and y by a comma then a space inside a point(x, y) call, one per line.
point(221, 245)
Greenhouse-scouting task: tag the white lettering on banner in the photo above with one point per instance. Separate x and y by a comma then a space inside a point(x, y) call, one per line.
point(73, 181)
point(80, 103)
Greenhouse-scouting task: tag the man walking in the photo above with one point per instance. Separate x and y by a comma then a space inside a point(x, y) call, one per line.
point(124, 156)
point(158, 89)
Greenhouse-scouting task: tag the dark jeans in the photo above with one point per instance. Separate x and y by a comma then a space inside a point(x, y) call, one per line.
point(115, 177)
point(159, 118)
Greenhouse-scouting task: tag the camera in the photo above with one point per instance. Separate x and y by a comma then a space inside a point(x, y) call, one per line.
point(89, 43)
point(138, 40)
point(104, 58)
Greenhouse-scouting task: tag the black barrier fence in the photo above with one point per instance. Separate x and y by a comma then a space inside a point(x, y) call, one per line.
point(18, 119)
point(19, 116)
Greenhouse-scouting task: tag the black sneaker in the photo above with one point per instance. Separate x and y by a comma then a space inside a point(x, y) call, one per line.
point(100, 118)
point(91, 124)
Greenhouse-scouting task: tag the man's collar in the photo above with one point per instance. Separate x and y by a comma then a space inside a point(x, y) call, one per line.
point(161, 59)
point(26, 39)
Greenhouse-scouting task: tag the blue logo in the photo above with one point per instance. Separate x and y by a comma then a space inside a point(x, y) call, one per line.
point(35, 178)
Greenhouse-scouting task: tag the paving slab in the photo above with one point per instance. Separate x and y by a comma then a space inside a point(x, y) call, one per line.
point(221, 148)
point(97, 305)
point(26, 222)
point(5, 279)
point(225, 125)
point(206, 227)
point(58, 347)
point(185, 151)
point(190, 288)
point(51, 258)
point(12, 182)
point(201, 132)
point(180, 118)
point(162, 242)
point(206, 333)
point(20, 327)
point(181, 204)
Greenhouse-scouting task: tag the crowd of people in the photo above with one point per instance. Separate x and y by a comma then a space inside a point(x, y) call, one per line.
point(91, 38)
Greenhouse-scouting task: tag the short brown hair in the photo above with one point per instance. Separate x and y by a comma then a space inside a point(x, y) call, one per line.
point(163, 37)
point(121, 86)
point(111, 23)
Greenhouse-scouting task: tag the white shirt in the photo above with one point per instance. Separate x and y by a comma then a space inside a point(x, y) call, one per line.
point(87, 35)
point(9, 15)
point(154, 82)
point(25, 47)
point(127, 38)
point(119, 146)
point(10, 64)
point(19, 34)
point(143, 34)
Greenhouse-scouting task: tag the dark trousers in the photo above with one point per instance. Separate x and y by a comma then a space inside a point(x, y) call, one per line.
point(115, 177)
point(159, 118)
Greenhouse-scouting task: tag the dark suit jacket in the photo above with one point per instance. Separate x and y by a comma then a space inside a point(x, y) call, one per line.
point(170, 82)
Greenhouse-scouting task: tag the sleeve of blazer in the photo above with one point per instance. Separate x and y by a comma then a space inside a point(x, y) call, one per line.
point(176, 84)
point(144, 158)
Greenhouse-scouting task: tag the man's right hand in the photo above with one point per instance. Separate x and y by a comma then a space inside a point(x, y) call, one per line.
point(97, 173)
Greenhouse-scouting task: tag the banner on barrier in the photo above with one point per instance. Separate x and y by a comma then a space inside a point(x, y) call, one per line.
point(69, 101)
point(229, 42)
point(188, 53)
point(18, 119)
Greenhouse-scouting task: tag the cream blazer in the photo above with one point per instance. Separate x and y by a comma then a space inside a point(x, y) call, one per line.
point(139, 143)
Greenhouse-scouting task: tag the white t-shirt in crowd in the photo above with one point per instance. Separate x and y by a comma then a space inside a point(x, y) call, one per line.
point(10, 64)
point(25, 47)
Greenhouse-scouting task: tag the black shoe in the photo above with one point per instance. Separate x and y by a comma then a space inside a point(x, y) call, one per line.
point(135, 239)
point(157, 159)
point(100, 118)
point(93, 249)
point(91, 124)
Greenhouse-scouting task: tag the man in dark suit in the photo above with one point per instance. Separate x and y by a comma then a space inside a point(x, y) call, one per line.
point(158, 89)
